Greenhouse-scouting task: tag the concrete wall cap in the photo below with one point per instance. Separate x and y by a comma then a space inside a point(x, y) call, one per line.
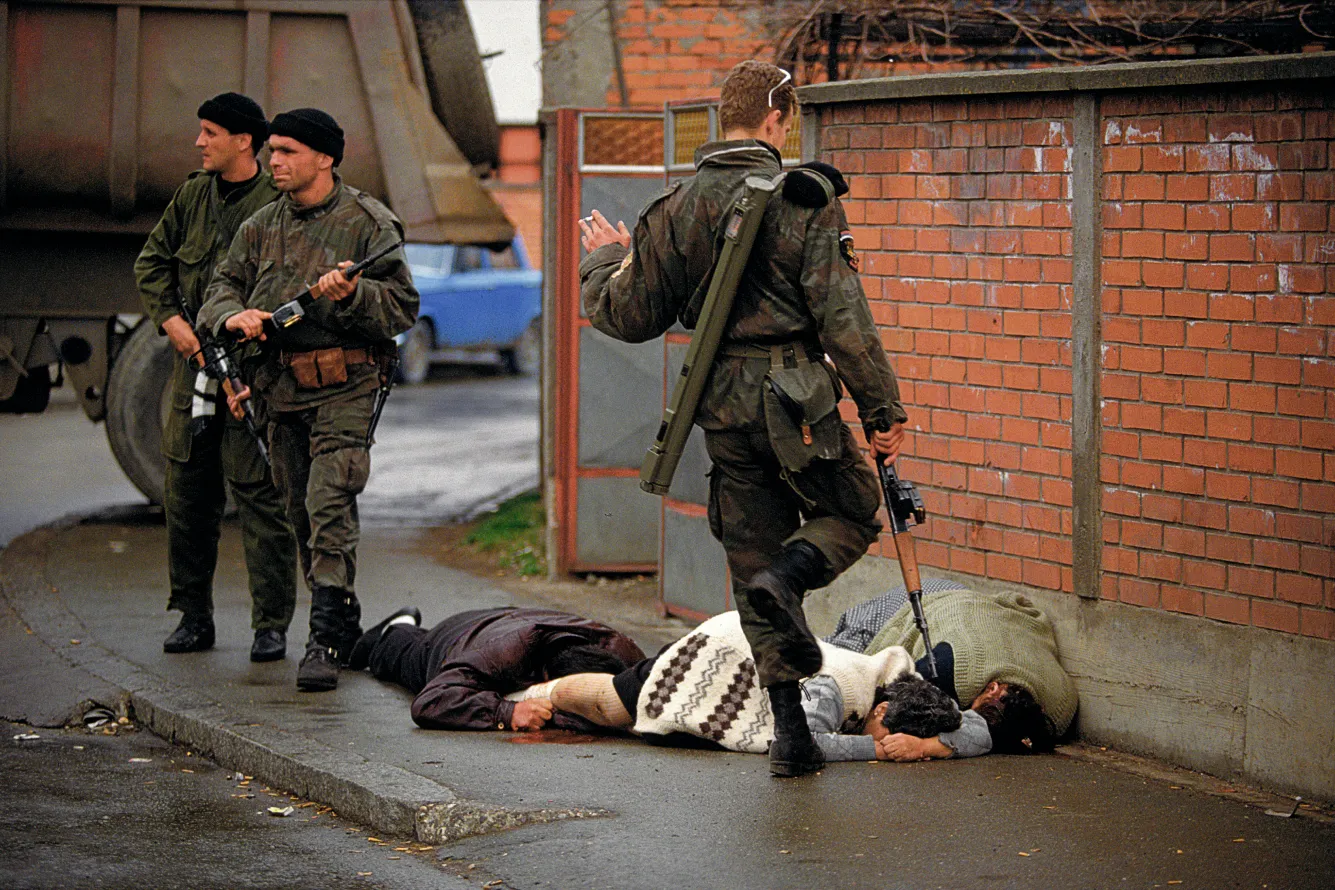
point(1075, 78)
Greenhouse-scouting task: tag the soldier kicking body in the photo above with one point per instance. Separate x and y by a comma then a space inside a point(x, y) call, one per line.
point(318, 383)
point(799, 301)
point(173, 271)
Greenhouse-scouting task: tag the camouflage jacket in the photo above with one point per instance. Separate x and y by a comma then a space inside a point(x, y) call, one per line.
point(179, 258)
point(283, 249)
point(798, 287)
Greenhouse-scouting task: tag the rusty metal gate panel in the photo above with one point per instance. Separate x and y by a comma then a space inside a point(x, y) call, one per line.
point(605, 396)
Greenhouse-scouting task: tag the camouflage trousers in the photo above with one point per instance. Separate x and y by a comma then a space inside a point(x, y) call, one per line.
point(756, 508)
point(321, 463)
point(224, 454)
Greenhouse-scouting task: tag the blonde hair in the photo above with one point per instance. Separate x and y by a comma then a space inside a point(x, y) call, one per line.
point(746, 100)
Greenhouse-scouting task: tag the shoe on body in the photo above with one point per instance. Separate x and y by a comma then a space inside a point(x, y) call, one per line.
point(360, 656)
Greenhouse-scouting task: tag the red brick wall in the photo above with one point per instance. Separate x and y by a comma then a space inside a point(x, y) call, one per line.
point(1219, 356)
point(675, 49)
point(1218, 328)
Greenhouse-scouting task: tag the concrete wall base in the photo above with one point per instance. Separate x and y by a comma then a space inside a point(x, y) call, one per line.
point(1221, 698)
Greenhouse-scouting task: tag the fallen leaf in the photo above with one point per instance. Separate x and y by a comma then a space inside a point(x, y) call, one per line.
point(1023, 853)
point(1239, 840)
point(75, 642)
point(364, 874)
point(1175, 882)
point(374, 840)
point(281, 811)
point(187, 771)
point(394, 857)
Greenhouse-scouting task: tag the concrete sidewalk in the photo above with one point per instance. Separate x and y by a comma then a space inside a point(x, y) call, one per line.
point(608, 812)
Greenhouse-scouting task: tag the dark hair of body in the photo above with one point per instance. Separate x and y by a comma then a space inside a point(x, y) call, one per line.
point(583, 659)
point(916, 707)
point(1018, 724)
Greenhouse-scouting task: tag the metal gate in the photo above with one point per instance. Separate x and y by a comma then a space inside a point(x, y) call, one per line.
point(603, 399)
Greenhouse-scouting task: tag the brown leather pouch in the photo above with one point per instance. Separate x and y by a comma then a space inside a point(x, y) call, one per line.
point(332, 365)
point(304, 369)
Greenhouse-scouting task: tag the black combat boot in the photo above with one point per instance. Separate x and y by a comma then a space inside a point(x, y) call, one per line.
point(793, 752)
point(318, 671)
point(776, 592)
point(351, 630)
point(194, 634)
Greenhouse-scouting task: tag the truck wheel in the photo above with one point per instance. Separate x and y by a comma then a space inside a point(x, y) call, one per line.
point(524, 359)
point(415, 353)
point(138, 399)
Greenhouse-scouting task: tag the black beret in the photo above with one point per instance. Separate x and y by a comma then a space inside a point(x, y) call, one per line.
point(313, 127)
point(830, 172)
point(237, 114)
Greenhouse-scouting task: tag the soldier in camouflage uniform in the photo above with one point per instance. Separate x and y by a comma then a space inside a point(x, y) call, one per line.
point(173, 271)
point(318, 383)
point(780, 452)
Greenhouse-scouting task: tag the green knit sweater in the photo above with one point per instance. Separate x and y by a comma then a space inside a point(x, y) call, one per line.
point(1001, 636)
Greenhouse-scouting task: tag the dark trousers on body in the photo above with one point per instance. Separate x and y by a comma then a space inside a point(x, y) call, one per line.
point(411, 656)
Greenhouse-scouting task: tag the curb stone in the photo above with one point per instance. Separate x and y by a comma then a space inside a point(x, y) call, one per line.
point(387, 798)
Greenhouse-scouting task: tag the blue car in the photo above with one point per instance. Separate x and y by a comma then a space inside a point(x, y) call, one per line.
point(477, 304)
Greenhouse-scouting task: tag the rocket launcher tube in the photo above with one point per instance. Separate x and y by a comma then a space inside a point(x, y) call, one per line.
point(660, 463)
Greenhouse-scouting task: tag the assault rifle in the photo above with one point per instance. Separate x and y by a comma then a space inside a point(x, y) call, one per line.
point(294, 310)
point(216, 364)
point(903, 503)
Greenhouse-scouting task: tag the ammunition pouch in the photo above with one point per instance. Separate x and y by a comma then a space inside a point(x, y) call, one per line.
point(801, 408)
point(325, 367)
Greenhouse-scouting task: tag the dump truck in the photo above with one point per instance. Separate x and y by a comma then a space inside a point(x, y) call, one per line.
point(97, 124)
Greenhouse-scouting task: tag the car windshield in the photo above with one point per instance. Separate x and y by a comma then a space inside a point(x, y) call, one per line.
point(429, 256)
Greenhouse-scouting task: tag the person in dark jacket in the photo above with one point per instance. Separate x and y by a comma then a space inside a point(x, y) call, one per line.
point(462, 669)
point(791, 499)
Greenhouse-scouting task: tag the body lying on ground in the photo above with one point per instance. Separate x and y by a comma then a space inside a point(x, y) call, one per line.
point(981, 641)
point(703, 690)
point(461, 669)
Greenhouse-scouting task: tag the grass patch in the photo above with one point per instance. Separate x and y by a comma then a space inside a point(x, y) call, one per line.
point(514, 534)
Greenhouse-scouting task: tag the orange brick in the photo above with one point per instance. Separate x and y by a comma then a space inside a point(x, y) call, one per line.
point(1137, 592)
point(1210, 575)
point(1276, 616)
point(1233, 609)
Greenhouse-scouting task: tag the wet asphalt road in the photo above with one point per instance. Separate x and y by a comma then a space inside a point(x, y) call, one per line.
point(84, 809)
point(673, 818)
point(426, 467)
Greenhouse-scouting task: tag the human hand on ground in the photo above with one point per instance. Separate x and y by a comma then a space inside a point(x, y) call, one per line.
point(531, 715)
